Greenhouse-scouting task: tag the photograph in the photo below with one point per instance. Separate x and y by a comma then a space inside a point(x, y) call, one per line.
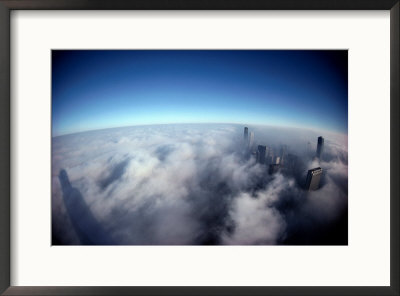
point(199, 147)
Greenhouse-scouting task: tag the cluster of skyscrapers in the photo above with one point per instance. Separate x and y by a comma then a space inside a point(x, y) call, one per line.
point(264, 154)
point(275, 160)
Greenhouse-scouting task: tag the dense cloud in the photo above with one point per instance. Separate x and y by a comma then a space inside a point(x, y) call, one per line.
point(194, 184)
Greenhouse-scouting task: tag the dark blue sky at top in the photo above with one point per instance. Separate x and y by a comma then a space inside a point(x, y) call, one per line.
point(94, 89)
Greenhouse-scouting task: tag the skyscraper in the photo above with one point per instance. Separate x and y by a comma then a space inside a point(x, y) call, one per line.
point(251, 140)
point(320, 147)
point(270, 156)
point(313, 178)
point(273, 168)
point(246, 134)
point(261, 154)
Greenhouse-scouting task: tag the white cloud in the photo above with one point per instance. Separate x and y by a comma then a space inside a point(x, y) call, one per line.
point(189, 184)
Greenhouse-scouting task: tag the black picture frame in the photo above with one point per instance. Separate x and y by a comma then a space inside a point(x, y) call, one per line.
point(5, 154)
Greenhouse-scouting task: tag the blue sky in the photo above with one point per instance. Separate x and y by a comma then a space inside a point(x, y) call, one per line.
point(95, 89)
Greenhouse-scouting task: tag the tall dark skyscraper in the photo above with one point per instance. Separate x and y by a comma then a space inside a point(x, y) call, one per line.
point(261, 154)
point(246, 134)
point(320, 147)
point(313, 178)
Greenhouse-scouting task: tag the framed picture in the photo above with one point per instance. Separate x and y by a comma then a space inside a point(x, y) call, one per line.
point(168, 148)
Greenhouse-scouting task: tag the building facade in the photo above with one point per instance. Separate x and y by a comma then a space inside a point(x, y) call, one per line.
point(261, 150)
point(313, 179)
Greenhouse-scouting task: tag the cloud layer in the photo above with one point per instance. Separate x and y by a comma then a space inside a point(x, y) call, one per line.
point(194, 184)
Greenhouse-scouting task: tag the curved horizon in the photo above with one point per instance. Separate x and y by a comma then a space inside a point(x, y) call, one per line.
point(98, 89)
point(310, 129)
